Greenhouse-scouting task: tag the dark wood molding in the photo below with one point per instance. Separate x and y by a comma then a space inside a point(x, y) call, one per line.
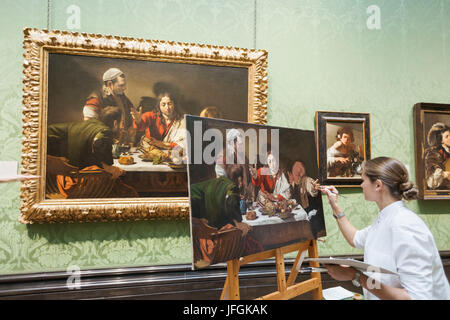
point(158, 282)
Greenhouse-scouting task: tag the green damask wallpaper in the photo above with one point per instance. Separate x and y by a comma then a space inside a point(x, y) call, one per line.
point(323, 55)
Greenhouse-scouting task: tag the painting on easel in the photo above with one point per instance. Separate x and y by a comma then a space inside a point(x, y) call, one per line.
point(252, 188)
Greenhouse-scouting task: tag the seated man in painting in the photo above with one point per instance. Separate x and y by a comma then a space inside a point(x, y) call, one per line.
point(86, 147)
point(215, 212)
point(163, 128)
point(112, 94)
point(344, 157)
point(437, 157)
point(303, 188)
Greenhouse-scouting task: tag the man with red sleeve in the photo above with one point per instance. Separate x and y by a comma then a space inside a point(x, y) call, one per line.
point(165, 127)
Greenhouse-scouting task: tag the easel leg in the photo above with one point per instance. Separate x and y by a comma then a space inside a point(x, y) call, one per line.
point(286, 289)
point(231, 288)
point(294, 271)
point(314, 253)
point(225, 292)
point(281, 275)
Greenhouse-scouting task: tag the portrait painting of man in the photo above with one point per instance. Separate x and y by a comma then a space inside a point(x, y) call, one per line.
point(437, 151)
point(432, 149)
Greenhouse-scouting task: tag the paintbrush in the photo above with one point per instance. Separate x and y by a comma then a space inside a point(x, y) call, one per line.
point(334, 191)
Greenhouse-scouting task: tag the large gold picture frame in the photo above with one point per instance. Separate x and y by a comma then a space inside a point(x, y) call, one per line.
point(40, 48)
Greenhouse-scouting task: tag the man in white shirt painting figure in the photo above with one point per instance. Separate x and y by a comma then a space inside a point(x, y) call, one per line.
point(398, 240)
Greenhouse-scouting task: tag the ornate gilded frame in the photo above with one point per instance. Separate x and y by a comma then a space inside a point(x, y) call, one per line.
point(37, 46)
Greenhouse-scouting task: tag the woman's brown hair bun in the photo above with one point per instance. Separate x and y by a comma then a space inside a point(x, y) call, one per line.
point(393, 174)
point(408, 191)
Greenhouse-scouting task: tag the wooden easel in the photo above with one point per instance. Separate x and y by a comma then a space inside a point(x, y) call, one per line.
point(286, 289)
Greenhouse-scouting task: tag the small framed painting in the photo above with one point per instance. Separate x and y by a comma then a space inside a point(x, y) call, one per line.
point(432, 148)
point(343, 144)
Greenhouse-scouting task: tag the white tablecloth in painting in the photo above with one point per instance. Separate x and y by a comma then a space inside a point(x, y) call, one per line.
point(145, 166)
point(298, 214)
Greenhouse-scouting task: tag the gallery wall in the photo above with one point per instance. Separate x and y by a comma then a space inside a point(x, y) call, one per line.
point(372, 56)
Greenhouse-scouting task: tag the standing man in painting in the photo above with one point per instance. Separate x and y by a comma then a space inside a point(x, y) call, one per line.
point(235, 146)
point(112, 94)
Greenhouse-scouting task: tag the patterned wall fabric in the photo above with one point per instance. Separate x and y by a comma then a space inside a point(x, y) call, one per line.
point(322, 56)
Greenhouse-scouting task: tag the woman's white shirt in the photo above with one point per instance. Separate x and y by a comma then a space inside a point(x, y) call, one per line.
point(398, 240)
